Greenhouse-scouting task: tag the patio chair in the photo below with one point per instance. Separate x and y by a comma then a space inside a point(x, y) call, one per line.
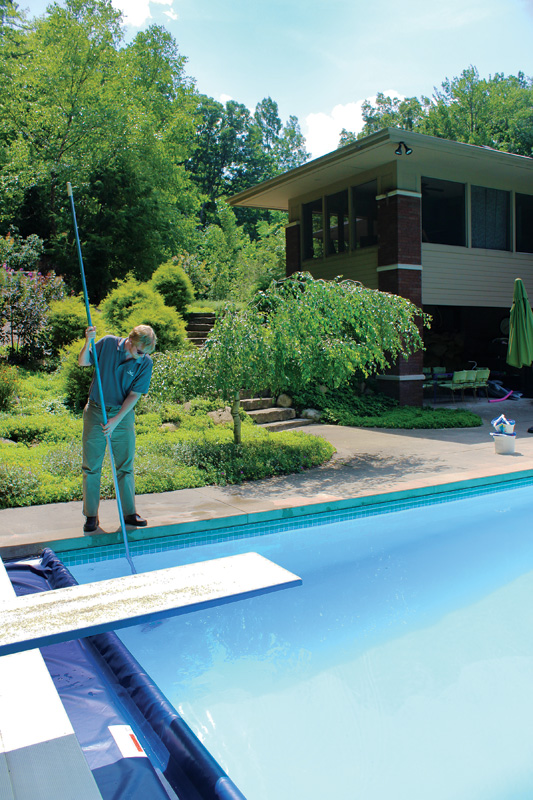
point(482, 381)
point(470, 381)
point(457, 383)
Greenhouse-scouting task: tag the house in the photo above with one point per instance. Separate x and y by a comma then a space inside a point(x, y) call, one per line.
point(447, 225)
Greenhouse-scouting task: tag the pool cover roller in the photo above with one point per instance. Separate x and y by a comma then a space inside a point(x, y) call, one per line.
point(101, 684)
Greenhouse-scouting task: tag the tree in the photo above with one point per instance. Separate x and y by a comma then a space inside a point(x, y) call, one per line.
point(115, 121)
point(303, 331)
point(388, 112)
point(324, 332)
point(238, 358)
point(496, 112)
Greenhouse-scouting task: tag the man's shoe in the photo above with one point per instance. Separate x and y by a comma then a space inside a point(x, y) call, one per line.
point(91, 524)
point(135, 519)
point(530, 430)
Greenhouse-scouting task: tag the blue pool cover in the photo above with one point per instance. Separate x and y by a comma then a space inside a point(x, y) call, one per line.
point(104, 689)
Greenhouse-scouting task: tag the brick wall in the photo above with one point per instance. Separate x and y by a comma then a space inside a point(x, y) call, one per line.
point(399, 230)
point(400, 242)
point(292, 248)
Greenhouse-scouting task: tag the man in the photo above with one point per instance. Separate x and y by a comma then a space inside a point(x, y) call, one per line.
point(125, 370)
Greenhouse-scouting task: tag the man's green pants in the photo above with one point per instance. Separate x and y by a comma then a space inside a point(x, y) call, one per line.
point(94, 445)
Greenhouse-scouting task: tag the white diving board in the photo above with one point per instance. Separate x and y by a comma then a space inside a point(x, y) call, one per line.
point(35, 620)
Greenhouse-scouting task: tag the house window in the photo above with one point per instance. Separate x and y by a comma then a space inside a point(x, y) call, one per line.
point(443, 212)
point(524, 223)
point(365, 209)
point(337, 223)
point(490, 218)
point(313, 229)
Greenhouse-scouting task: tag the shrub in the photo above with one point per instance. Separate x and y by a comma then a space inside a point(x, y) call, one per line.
point(25, 299)
point(406, 417)
point(121, 302)
point(67, 321)
point(261, 456)
point(18, 486)
point(175, 286)
point(8, 386)
point(169, 327)
point(39, 428)
point(75, 380)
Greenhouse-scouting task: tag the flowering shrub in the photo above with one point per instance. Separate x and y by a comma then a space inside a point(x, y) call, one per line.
point(25, 299)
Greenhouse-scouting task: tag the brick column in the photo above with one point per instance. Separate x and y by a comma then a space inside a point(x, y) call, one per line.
point(400, 272)
point(292, 248)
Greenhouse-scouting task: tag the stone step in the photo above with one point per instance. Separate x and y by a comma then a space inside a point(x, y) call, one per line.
point(208, 319)
point(274, 414)
point(198, 326)
point(286, 424)
point(256, 403)
point(197, 340)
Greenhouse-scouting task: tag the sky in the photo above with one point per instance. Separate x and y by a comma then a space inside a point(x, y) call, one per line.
point(320, 59)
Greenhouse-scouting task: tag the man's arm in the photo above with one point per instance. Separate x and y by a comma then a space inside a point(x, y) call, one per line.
point(84, 358)
point(126, 406)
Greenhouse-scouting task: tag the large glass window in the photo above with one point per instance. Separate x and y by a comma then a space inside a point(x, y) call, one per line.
point(313, 229)
point(490, 218)
point(443, 212)
point(337, 225)
point(524, 223)
point(365, 209)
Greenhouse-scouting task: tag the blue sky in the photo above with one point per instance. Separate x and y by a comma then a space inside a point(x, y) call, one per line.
point(320, 59)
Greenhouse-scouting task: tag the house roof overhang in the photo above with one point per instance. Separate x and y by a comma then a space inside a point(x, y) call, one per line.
point(430, 153)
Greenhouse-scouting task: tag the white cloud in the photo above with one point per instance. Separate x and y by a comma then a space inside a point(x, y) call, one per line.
point(224, 98)
point(171, 14)
point(322, 131)
point(137, 12)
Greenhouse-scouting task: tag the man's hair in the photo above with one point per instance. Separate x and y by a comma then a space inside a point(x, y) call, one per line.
point(143, 334)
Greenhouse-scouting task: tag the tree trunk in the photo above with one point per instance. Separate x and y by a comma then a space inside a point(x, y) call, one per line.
point(236, 418)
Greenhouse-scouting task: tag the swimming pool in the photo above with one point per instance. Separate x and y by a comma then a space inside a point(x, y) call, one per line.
point(403, 667)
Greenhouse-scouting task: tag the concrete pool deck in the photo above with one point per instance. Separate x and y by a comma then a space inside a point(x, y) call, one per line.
point(368, 462)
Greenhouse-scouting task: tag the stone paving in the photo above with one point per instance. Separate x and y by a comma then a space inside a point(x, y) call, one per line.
point(367, 462)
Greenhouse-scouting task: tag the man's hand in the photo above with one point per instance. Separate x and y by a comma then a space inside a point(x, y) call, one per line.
point(112, 423)
point(84, 358)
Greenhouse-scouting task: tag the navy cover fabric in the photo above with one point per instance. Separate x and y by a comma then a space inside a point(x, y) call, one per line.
point(186, 764)
point(92, 705)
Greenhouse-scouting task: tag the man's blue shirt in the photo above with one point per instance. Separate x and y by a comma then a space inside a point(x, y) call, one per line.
point(120, 373)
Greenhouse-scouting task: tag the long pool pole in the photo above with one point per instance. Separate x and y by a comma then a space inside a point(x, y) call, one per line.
point(99, 381)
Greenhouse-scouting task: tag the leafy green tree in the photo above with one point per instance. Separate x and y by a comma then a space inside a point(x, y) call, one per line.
point(328, 331)
point(117, 122)
point(388, 112)
point(238, 358)
point(496, 112)
point(305, 332)
point(290, 149)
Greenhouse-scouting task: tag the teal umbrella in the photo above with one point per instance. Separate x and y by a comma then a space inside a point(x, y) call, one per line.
point(520, 348)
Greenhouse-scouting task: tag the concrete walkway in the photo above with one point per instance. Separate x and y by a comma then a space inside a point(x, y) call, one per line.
point(368, 462)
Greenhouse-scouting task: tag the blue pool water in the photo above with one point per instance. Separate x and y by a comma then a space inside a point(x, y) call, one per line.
point(402, 667)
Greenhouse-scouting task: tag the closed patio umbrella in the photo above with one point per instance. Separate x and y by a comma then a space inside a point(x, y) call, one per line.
point(520, 348)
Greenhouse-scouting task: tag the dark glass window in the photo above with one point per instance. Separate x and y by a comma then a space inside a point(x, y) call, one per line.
point(313, 229)
point(365, 209)
point(491, 227)
point(337, 225)
point(524, 223)
point(443, 212)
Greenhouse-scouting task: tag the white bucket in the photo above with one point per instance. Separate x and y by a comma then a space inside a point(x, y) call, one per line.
point(504, 443)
